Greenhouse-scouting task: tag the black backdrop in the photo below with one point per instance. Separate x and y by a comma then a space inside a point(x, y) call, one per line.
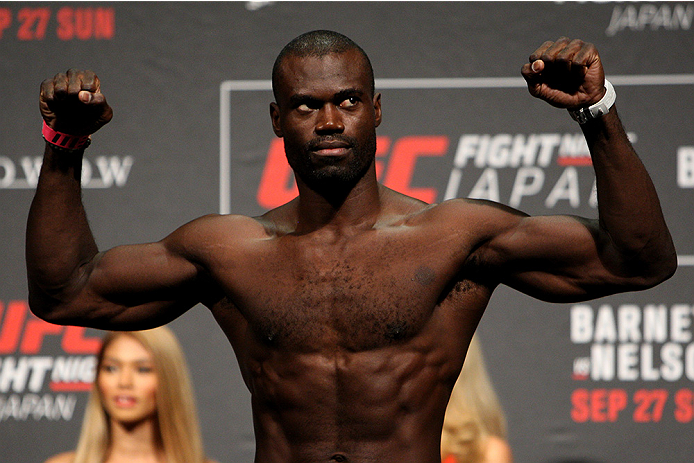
point(605, 381)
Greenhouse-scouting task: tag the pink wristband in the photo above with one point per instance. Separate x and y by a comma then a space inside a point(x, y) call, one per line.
point(63, 140)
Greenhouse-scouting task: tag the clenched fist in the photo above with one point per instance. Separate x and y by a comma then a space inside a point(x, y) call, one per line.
point(566, 73)
point(72, 103)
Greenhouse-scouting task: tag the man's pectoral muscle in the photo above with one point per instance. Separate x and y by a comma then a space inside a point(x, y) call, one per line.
point(350, 344)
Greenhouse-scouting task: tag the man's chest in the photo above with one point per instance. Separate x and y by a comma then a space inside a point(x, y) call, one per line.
point(363, 293)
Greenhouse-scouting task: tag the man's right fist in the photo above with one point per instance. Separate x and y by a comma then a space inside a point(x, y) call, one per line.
point(72, 103)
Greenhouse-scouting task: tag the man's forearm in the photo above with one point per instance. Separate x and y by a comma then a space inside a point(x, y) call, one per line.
point(628, 203)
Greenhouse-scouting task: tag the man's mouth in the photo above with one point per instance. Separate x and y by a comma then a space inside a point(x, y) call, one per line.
point(331, 148)
point(334, 152)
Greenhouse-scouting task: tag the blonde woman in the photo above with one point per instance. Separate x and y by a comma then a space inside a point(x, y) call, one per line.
point(141, 408)
point(474, 428)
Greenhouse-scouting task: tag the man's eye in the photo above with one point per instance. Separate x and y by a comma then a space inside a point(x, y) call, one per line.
point(304, 108)
point(349, 102)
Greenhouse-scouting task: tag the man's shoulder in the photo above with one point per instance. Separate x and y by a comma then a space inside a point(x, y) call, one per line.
point(470, 219)
point(465, 209)
point(213, 221)
point(279, 221)
point(222, 227)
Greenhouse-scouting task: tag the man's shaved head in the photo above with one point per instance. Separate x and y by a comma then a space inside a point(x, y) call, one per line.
point(318, 43)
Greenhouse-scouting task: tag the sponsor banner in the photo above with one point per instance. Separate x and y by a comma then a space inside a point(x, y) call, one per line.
point(45, 369)
point(637, 356)
point(26, 23)
point(101, 172)
point(643, 17)
point(452, 154)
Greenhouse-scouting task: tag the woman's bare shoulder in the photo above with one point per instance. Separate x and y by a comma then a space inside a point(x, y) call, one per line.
point(66, 457)
point(497, 450)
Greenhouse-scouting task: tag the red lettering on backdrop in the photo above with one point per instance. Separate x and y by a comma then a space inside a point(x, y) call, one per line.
point(74, 341)
point(382, 147)
point(616, 402)
point(684, 405)
point(598, 405)
point(580, 412)
point(649, 405)
point(12, 325)
point(34, 333)
point(574, 161)
point(12, 330)
point(277, 185)
point(104, 23)
point(5, 19)
point(33, 23)
point(71, 387)
point(86, 23)
point(402, 164)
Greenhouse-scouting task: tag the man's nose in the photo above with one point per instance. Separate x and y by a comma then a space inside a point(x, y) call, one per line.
point(329, 120)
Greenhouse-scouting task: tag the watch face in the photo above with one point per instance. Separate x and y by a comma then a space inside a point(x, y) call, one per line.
point(599, 109)
point(581, 116)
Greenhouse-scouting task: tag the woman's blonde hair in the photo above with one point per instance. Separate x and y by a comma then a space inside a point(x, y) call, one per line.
point(474, 412)
point(176, 411)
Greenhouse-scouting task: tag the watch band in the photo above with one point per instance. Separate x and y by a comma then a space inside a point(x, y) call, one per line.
point(598, 109)
point(64, 141)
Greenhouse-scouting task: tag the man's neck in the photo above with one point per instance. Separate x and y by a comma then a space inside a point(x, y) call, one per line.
point(357, 207)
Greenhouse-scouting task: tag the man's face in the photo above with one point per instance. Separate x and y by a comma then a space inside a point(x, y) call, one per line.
point(327, 115)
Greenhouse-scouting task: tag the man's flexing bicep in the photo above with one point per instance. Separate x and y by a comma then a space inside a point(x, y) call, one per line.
point(126, 288)
point(557, 258)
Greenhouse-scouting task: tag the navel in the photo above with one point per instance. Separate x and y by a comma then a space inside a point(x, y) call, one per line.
point(338, 457)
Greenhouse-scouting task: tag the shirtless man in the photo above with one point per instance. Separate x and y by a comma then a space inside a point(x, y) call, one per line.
point(350, 308)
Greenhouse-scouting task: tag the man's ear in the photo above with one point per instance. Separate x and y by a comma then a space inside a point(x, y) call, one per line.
point(377, 108)
point(275, 117)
